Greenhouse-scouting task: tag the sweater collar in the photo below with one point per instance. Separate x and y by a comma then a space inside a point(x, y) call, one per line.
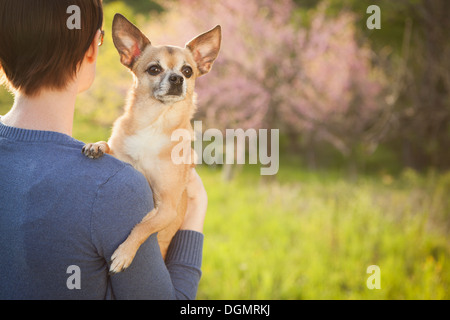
point(25, 135)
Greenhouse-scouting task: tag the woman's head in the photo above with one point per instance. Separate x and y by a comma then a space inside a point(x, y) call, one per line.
point(39, 51)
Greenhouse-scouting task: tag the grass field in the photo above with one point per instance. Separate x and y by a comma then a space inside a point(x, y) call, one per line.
point(313, 235)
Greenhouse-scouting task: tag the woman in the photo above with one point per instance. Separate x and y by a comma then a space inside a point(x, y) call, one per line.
point(62, 215)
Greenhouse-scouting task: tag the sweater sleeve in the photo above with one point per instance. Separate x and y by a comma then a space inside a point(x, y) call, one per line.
point(121, 203)
point(184, 260)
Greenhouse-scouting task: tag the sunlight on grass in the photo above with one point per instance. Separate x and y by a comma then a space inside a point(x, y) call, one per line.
point(315, 240)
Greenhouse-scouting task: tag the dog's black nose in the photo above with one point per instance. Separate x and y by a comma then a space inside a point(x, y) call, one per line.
point(176, 79)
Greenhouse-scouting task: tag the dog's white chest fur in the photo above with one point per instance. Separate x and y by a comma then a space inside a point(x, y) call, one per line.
point(144, 147)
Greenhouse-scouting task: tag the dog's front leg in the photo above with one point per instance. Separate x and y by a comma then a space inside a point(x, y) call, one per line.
point(96, 150)
point(156, 220)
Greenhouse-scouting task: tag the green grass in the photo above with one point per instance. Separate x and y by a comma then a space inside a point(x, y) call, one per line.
point(314, 237)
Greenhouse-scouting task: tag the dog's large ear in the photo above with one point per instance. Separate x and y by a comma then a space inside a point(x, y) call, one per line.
point(128, 39)
point(205, 49)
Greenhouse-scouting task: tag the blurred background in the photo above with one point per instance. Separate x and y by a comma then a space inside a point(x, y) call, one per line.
point(364, 142)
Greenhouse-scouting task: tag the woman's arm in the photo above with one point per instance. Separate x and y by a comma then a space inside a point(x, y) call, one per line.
point(184, 256)
point(197, 204)
point(121, 203)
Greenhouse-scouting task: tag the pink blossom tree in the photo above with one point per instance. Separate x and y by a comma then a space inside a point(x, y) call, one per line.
point(339, 97)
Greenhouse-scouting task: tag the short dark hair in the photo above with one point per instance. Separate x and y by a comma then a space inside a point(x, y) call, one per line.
point(37, 49)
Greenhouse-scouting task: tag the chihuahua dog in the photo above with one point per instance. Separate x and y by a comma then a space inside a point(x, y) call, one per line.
point(162, 100)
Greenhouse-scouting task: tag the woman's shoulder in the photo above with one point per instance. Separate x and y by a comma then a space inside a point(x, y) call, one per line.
point(117, 178)
point(121, 199)
point(118, 198)
point(108, 179)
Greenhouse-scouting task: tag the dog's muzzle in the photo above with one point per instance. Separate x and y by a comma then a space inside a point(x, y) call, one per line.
point(176, 85)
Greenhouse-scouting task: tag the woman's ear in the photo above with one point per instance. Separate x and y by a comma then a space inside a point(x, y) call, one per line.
point(86, 72)
point(92, 53)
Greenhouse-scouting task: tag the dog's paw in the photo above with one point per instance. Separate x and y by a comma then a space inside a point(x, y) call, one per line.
point(121, 259)
point(93, 150)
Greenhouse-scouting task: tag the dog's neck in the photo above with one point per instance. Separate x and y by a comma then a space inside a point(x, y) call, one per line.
point(151, 112)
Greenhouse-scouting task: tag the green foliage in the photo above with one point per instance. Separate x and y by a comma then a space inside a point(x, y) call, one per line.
point(138, 6)
point(393, 18)
point(6, 100)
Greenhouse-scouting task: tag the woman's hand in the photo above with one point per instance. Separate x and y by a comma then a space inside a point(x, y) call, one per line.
point(197, 204)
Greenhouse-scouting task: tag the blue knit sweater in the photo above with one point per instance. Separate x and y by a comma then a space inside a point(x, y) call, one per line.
point(62, 215)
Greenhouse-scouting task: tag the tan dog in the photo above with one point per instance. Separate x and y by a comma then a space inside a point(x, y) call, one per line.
point(161, 101)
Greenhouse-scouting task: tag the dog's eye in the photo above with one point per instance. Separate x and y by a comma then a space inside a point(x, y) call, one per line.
point(187, 71)
point(154, 70)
